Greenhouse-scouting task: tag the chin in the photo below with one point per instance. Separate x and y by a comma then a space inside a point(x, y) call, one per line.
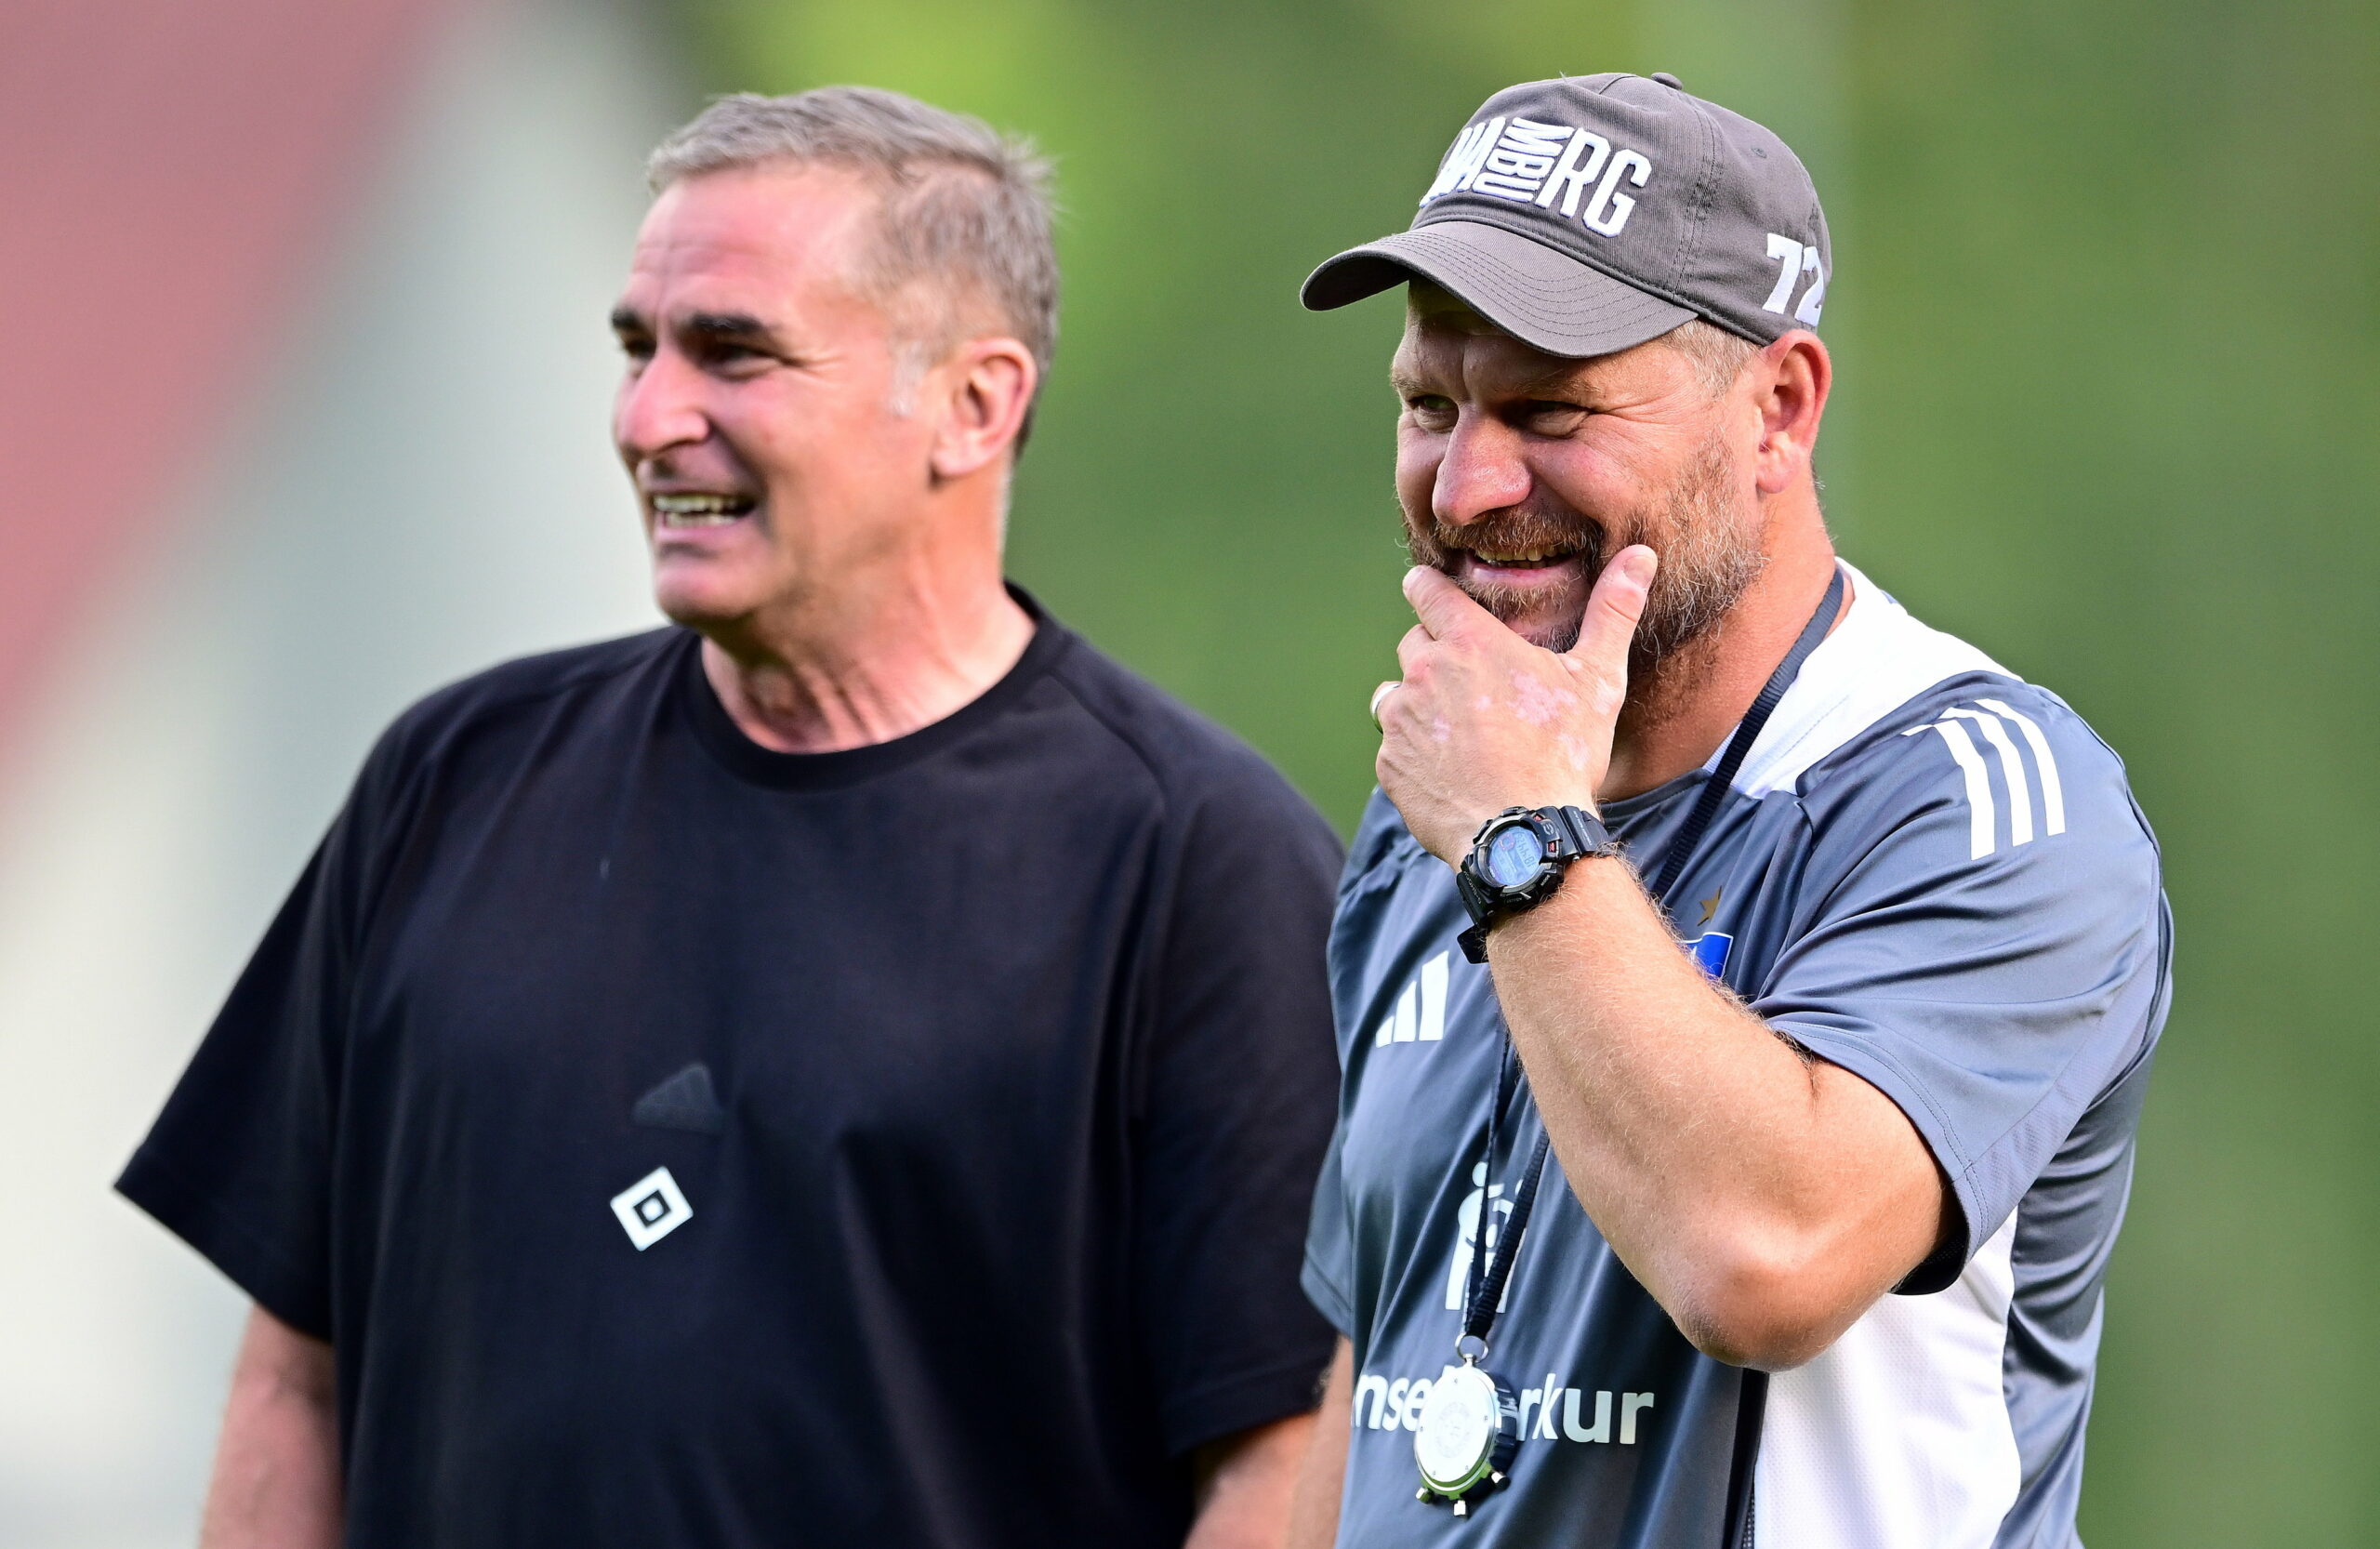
point(700, 601)
point(1551, 624)
point(1550, 634)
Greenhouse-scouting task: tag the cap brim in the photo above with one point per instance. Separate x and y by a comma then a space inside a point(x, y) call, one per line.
point(1539, 297)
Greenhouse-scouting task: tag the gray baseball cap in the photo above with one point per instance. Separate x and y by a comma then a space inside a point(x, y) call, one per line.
point(1589, 214)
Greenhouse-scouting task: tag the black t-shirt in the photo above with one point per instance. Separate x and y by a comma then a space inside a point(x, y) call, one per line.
point(965, 1092)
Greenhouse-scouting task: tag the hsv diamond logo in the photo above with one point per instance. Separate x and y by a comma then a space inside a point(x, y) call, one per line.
point(652, 1208)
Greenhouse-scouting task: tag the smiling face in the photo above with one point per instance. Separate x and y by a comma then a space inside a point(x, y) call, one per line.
point(1520, 472)
point(760, 414)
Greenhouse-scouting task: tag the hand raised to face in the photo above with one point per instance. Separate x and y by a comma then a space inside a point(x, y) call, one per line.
point(1483, 719)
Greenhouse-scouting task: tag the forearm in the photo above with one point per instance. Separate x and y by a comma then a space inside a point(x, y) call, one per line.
point(276, 1481)
point(1245, 1485)
point(1765, 1198)
point(1314, 1514)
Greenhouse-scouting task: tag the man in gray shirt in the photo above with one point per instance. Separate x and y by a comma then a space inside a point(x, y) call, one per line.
point(1832, 955)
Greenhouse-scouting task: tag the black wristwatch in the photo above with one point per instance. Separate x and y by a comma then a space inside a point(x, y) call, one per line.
point(1516, 862)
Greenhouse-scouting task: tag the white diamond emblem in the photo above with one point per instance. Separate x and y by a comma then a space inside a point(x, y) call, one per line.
point(652, 1208)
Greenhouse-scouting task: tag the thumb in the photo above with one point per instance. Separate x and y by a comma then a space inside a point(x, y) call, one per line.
point(1613, 608)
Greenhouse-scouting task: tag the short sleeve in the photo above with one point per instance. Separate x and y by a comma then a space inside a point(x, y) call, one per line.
point(1365, 887)
point(1329, 1252)
point(238, 1163)
point(1241, 1088)
point(1983, 939)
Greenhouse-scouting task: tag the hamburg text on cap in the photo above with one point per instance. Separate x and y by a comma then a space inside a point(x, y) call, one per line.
point(1587, 215)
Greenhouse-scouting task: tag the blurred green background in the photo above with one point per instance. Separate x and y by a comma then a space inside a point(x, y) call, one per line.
point(2103, 323)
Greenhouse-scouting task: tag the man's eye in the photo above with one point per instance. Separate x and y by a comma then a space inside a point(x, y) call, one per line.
point(1429, 407)
point(1548, 413)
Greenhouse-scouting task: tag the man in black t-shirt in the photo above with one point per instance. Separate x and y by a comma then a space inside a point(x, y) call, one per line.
point(847, 1068)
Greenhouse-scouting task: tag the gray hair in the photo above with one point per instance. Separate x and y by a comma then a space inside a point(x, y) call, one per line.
point(963, 206)
point(1718, 356)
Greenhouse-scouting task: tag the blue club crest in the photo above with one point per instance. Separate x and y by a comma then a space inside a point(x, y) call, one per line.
point(1711, 950)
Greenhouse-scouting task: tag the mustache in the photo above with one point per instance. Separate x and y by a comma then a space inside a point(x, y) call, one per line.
point(1435, 543)
point(1520, 528)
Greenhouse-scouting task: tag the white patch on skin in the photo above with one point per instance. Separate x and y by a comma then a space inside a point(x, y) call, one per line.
point(1539, 703)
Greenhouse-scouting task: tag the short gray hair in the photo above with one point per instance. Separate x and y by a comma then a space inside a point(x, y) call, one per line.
point(964, 206)
point(1718, 356)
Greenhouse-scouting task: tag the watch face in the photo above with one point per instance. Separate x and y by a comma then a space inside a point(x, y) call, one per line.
point(1513, 854)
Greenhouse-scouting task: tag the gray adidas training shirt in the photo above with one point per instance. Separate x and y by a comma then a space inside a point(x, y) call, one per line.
point(1930, 873)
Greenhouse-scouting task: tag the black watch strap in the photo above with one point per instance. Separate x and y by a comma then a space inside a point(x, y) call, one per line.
point(1577, 834)
point(1582, 831)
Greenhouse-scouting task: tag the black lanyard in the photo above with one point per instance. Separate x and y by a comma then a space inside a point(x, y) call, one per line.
point(1486, 1290)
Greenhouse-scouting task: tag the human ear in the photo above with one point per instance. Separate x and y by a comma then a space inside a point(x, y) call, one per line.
point(986, 388)
point(1795, 375)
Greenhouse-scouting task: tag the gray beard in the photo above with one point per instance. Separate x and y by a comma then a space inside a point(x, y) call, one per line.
point(1708, 560)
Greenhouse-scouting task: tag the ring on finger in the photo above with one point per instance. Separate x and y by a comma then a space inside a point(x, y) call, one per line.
point(1379, 694)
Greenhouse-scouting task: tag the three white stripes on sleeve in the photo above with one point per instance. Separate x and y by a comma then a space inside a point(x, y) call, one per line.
point(1982, 809)
point(1421, 1013)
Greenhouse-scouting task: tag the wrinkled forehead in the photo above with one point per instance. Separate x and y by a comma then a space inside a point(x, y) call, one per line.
point(772, 227)
point(1446, 337)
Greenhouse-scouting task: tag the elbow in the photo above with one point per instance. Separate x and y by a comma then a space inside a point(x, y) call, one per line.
point(1771, 1311)
point(277, 1365)
point(1761, 1344)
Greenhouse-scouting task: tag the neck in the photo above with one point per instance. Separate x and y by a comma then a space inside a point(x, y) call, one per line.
point(871, 658)
point(1680, 714)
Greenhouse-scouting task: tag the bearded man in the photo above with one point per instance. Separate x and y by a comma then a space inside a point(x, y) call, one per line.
point(1745, 993)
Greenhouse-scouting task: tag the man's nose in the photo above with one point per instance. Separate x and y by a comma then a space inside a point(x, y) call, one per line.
point(1482, 471)
point(659, 407)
